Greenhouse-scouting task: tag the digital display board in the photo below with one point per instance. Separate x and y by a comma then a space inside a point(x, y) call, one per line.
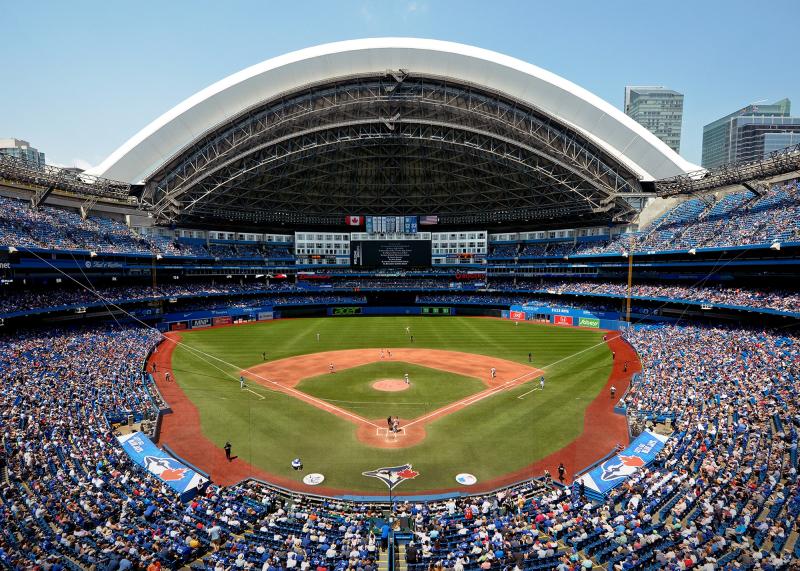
point(391, 224)
point(435, 311)
point(390, 253)
point(339, 311)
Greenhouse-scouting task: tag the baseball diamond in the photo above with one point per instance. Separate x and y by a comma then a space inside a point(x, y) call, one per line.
point(456, 418)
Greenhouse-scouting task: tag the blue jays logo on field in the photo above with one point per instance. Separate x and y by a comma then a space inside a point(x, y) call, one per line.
point(392, 476)
point(620, 467)
point(165, 468)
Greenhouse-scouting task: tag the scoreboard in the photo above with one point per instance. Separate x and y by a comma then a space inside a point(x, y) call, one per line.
point(391, 224)
point(390, 253)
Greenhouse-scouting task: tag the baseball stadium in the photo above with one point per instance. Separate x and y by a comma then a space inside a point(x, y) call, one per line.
point(398, 304)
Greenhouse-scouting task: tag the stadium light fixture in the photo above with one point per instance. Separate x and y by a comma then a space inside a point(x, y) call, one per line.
point(776, 246)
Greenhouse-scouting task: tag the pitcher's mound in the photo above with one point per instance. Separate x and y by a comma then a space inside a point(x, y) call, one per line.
point(390, 385)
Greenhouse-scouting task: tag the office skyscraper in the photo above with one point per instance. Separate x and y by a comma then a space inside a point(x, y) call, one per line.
point(21, 150)
point(657, 109)
point(750, 134)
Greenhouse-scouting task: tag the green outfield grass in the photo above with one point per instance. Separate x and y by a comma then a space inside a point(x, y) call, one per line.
point(428, 390)
point(489, 439)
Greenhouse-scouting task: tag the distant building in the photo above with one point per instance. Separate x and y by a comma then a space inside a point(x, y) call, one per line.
point(657, 109)
point(750, 134)
point(22, 150)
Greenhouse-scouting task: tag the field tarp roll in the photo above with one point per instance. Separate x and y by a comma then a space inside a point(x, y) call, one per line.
point(185, 481)
point(612, 472)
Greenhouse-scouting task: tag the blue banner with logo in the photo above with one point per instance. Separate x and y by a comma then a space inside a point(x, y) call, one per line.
point(158, 463)
point(612, 472)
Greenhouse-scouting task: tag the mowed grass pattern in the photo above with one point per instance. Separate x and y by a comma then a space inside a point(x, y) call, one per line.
point(428, 390)
point(489, 439)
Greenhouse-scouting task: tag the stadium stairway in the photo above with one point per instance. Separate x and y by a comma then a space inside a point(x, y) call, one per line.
point(399, 560)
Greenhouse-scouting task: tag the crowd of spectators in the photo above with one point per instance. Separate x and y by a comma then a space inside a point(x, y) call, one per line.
point(74, 295)
point(40, 298)
point(733, 220)
point(765, 298)
point(724, 492)
point(55, 228)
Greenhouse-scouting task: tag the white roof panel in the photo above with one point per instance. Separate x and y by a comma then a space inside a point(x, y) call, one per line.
point(607, 126)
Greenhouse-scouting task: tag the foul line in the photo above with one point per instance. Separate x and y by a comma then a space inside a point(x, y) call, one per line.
point(529, 392)
point(475, 398)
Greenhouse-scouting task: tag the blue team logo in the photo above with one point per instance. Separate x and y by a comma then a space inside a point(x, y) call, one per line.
point(393, 476)
point(168, 469)
point(620, 467)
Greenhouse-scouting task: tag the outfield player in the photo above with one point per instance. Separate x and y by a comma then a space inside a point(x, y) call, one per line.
point(241, 383)
point(405, 378)
point(541, 382)
point(332, 368)
point(317, 337)
point(494, 372)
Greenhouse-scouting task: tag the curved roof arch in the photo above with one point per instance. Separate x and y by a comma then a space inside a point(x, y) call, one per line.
point(633, 146)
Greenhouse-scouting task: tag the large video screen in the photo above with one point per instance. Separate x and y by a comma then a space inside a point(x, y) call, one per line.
point(390, 253)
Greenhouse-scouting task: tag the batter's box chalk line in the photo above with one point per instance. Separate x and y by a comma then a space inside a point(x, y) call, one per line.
point(386, 433)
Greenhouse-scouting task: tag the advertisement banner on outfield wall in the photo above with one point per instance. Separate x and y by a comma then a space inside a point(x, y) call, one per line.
point(609, 474)
point(265, 315)
point(562, 319)
point(588, 322)
point(225, 320)
point(178, 326)
point(199, 323)
point(517, 315)
point(172, 472)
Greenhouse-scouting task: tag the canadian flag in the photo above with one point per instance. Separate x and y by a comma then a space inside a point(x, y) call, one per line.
point(353, 220)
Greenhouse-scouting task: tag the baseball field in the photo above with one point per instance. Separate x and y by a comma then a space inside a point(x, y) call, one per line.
point(322, 390)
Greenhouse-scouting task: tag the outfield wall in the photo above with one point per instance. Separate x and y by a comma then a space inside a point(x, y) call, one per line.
point(566, 316)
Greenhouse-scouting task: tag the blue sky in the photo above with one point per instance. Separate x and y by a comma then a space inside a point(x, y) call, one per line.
point(79, 78)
